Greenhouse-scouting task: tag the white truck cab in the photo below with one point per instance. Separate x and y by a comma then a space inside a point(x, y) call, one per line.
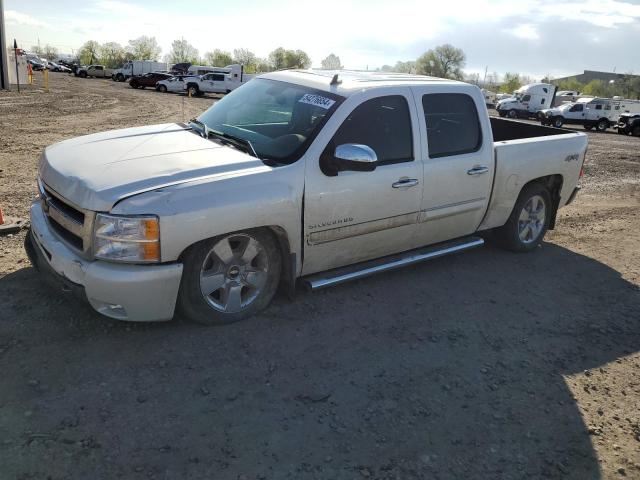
point(527, 101)
point(314, 177)
point(591, 112)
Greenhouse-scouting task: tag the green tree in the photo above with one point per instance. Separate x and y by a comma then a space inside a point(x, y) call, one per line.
point(245, 57)
point(49, 52)
point(263, 65)
point(597, 88)
point(218, 58)
point(444, 61)
point(511, 82)
point(89, 53)
point(332, 62)
point(144, 48)
point(112, 55)
point(281, 58)
point(183, 51)
point(570, 84)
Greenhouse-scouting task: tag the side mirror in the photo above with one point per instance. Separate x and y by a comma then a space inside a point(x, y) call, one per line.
point(355, 157)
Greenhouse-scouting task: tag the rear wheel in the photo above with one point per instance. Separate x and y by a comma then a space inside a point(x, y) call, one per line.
point(193, 90)
point(83, 75)
point(133, 84)
point(602, 125)
point(512, 114)
point(162, 89)
point(529, 220)
point(230, 277)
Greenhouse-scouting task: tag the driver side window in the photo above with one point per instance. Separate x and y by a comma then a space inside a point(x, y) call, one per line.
point(382, 123)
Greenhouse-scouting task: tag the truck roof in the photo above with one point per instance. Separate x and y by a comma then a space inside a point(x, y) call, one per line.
point(351, 81)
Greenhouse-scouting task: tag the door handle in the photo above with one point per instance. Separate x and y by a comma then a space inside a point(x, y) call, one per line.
point(405, 183)
point(478, 170)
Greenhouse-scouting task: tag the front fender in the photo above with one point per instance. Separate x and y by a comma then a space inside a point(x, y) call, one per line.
point(195, 211)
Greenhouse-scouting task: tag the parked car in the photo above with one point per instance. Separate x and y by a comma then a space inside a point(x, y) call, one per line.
point(629, 123)
point(35, 65)
point(97, 71)
point(174, 84)
point(294, 177)
point(148, 79)
point(598, 113)
point(219, 80)
point(135, 68)
point(56, 67)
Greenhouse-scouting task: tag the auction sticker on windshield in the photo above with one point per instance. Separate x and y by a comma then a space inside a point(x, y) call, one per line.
point(317, 100)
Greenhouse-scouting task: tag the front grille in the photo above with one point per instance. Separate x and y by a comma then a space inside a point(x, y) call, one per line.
point(72, 224)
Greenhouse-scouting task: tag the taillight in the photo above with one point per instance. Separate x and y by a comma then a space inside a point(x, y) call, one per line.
point(581, 172)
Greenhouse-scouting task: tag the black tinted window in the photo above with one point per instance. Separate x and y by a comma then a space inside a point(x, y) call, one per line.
point(217, 78)
point(382, 123)
point(526, 98)
point(452, 121)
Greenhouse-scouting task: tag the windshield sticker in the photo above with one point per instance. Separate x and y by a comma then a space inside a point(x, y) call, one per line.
point(317, 100)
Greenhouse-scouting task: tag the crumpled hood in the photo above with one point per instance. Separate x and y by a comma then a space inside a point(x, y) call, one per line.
point(96, 171)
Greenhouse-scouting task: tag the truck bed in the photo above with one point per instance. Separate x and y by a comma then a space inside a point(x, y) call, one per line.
point(504, 129)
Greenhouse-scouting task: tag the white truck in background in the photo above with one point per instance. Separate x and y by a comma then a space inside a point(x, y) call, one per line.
point(527, 101)
point(218, 80)
point(137, 67)
point(306, 176)
point(590, 112)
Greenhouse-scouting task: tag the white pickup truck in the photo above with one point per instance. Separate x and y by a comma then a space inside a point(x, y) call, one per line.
point(296, 177)
point(219, 80)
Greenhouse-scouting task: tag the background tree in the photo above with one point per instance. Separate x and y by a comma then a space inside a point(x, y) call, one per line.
point(263, 65)
point(37, 49)
point(570, 84)
point(444, 61)
point(245, 57)
point(112, 55)
point(511, 82)
point(89, 52)
point(400, 67)
point(277, 58)
point(49, 52)
point(332, 62)
point(183, 51)
point(282, 58)
point(218, 58)
point(597, 88)
point(144, 48)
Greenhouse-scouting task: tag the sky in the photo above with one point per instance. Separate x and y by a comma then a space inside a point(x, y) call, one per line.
point(531, 37)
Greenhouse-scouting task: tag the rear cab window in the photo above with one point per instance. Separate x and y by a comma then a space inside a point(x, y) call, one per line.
point(453, 124)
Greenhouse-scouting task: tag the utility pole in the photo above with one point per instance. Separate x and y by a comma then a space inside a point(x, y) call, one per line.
point(15, 51)
point(4, 52)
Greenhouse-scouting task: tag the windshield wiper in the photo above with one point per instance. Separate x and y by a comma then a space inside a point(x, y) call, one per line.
point(243, 143)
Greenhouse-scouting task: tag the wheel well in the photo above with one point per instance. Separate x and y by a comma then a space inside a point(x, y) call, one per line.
point(553, 183)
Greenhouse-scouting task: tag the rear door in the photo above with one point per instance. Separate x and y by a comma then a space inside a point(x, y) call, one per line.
point(457, 156)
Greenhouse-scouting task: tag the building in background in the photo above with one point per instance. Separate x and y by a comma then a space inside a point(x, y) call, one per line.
point(590, 75)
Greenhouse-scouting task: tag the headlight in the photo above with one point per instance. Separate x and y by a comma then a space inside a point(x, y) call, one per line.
point(127, 239)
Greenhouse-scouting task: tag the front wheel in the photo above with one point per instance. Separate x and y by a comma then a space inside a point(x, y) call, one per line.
point(162, 89)
point(512, 114)
point(529, 220)
point(602, 125)
point(134, 84)
point(230, 277)
point(558, 122)
point(193, 91)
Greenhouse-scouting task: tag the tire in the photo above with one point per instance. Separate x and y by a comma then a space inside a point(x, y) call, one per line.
point(588, 126)
point(602, 124)
point(525, 231)
point(162, 89)
point(193, 90)
point(636, 131)
point(512, 114)
point(83, 75)
point(120, 77)
point(226, 264)
point(558, 122)
point(501, 113)
point(134, 84)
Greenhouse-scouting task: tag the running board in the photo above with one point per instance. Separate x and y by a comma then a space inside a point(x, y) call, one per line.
point(360, 270)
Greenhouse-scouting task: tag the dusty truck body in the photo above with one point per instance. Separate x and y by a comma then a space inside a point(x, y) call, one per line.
point(297, 176)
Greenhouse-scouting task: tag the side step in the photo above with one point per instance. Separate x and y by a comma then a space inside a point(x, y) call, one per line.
point(364, 269)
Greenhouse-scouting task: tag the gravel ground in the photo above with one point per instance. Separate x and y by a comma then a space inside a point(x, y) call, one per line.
point(485, 365)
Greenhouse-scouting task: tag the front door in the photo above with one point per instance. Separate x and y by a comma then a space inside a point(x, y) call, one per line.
point(355, 216)
point(458, 163)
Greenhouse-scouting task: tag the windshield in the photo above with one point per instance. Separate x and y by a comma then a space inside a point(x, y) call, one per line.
point(279, 119)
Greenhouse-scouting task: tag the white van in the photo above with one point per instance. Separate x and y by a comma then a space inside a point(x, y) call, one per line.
point(527, 101)
point(600, 113)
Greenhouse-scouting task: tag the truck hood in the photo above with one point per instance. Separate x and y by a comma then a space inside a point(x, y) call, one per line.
point(96, 171)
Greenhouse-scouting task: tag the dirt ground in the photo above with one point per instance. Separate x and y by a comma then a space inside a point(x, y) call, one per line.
point(485, 365)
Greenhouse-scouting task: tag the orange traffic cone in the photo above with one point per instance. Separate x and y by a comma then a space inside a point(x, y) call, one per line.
point(10, 224)
point(1, 217)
